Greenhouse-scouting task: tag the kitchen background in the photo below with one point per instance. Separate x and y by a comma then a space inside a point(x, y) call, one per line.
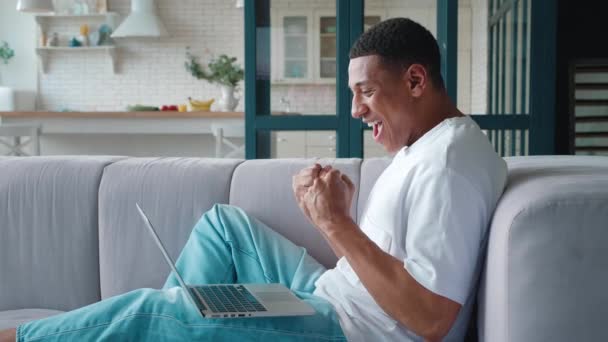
point(151, 70)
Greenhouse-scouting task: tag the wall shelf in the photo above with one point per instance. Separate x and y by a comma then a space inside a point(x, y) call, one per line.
point(41, 19)
point(44, 52)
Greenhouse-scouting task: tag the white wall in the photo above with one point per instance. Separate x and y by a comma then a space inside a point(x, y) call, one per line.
point(150, 71)
point(19, 30)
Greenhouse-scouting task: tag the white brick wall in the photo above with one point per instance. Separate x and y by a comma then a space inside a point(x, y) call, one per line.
point(151, 71)
point(479, 57)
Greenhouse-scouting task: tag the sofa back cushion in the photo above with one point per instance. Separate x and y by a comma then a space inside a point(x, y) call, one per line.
point(174, 193)
point(545, 277)
point(48, 229)
point(263, 188)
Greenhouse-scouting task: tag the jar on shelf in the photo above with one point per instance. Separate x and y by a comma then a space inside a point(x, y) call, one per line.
point(53, 41)
point(62, 7)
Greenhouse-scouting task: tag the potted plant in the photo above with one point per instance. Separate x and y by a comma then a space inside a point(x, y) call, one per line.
point(222, 70)
point(7, 102)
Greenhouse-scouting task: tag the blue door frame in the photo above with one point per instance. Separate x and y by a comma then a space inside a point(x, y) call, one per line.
point(540, 121)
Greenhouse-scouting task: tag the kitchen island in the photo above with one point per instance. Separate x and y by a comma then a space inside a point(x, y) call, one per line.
point(155, 133)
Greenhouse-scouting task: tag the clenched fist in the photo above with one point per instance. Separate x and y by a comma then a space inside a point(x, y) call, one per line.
point(324, 194)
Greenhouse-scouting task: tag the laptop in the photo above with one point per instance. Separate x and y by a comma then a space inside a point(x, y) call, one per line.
point(235, 300)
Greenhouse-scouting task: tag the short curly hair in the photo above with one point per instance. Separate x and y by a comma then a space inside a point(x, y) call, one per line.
point(401, 42)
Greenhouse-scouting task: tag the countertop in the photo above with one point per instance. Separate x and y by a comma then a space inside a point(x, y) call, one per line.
point(128, 115)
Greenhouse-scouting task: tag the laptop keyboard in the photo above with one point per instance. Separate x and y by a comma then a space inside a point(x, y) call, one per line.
point(229, 298)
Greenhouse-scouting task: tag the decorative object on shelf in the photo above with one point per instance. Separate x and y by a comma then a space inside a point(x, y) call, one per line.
point(43, 38)
point(84, 35)
point(223, 71)
point(53, 41)
point(143, 21)
point(105, 35)
point(80, 8)
point(62, 7)
point(74, 42)
point(35, 6)
point(203, 106)
point(94, 38)
point(101, 6)
point(7, 95)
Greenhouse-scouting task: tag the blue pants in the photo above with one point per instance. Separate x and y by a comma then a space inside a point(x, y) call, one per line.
point(225, 246)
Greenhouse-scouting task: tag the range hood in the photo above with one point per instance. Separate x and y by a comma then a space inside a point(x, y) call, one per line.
point(143, 21)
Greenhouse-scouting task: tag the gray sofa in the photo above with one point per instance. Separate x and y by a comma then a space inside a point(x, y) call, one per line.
point(70, 234)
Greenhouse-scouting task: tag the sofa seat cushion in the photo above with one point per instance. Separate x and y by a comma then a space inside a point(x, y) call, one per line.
point(13, 318)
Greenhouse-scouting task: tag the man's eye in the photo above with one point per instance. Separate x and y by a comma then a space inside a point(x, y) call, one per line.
point(368, 93)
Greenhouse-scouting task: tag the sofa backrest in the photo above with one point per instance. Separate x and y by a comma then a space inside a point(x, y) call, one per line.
point(546, 272)
point(48, 229)
point(263, 188)
point(174, 193)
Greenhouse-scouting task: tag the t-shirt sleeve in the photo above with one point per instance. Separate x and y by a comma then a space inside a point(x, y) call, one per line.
point(446, 223)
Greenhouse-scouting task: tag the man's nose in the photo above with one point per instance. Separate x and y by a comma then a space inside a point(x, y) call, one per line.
point(358, 109)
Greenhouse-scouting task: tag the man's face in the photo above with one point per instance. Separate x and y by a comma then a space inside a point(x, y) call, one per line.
point(382, 98)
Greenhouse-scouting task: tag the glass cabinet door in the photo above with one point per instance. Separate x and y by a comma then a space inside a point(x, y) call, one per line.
point(327, 47)
point(327, 44)
point(295, 43)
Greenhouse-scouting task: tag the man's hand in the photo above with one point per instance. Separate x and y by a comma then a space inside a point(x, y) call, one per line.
point(328, 200)
point(302, 181)
point(324, 194)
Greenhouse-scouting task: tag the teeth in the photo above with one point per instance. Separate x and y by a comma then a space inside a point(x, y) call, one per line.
point(371, 124)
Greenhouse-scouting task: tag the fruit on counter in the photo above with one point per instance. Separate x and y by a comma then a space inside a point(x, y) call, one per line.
point(196, 105)
point(169, 108)
point(141, 108)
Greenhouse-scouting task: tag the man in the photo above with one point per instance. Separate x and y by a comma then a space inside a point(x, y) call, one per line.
point(408, 272)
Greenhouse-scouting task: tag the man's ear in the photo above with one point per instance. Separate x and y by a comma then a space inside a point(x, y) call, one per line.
point(416, 79)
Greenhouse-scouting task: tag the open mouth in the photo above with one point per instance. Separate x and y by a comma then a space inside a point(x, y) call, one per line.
point(377, 128)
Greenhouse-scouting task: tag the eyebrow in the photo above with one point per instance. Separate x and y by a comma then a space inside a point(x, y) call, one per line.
point(360, 83)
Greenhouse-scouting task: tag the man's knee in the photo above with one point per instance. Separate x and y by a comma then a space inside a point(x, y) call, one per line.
point(224, 216)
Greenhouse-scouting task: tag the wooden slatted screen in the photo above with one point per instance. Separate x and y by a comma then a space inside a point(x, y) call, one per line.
point(590, 109)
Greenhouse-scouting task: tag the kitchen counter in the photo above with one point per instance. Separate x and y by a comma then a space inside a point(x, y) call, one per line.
point(156, 122)
point(154, 114)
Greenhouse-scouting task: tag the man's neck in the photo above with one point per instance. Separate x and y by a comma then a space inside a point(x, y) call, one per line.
point(435, 110)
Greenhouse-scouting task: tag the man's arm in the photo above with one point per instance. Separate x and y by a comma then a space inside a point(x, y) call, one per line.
point(300, 184)
point(327, 202)
point(425, 313)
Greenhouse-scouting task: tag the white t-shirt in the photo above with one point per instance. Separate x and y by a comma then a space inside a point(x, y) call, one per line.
point(431, 208)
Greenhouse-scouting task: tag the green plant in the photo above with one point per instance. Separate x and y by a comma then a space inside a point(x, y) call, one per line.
point(6, 53)
point(222, 70)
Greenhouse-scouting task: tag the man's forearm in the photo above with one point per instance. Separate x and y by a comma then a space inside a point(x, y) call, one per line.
point(391, 286)
point(337, 252)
